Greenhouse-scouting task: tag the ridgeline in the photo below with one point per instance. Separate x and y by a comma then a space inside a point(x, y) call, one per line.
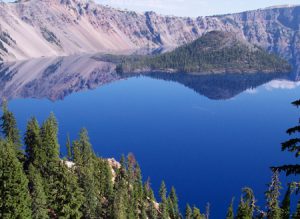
point(214, 52)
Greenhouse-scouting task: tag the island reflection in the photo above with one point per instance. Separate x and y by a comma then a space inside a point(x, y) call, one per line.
point(56, 78)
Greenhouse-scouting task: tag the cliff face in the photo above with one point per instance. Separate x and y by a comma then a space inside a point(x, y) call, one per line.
point(36, 28)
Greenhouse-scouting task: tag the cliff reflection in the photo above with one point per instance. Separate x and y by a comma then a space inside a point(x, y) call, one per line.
point(55, 78)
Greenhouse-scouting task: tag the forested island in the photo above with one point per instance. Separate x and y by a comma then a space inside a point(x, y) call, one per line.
point(38, 183)
point(214, 52)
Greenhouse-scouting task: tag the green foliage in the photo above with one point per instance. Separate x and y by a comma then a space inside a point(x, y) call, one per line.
point(15, 201)
point(272, 195)
point(163, 206)
point(50, 146)
point(10, 129)
point(173, 204)
point(214, 51)
point(68, 146)
point(230, 211)
point(197, 214)
point(292, 145)
point(297, 213)
point(84, 158)
point(38, 196)
point(286, 204)
point(34, 153)
point(66, 195)
point(246, 205)
point(92, 187)
point(188, 212)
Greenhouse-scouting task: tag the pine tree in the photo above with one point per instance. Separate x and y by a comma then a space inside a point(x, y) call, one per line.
point(67, 198)
point(38, 196)
point(247, 205)
point(15, 201)
point(286, 204)
point(150, 199)
point(138, 191)
point(163, 206)
point(292, 145)
point(296, 215)
point(273, 209)
point(230, 213)
point(10, 130)
point(34, 152)
point(174, 204)
point(170, 208)
point(68, 145)
point(104, 186)
point(84, 158)
point(197, 214)
point(49, 133)
point(188, 212)
point(120, 199)
point(132, 210)
point(49, 160)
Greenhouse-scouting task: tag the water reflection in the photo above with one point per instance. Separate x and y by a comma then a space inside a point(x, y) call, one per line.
point(55, 78)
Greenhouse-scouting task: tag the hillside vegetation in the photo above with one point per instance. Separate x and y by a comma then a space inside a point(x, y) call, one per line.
point(214, 52)
point(37, 183)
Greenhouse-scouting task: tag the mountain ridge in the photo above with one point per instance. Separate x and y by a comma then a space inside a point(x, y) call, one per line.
point(50, 28)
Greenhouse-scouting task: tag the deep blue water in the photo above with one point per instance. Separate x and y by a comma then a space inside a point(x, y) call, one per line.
point(208, 149)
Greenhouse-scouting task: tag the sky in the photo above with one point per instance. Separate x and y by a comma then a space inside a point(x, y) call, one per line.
point(194, 8)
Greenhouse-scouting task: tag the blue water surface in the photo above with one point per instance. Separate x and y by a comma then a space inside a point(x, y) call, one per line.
point(208, 149)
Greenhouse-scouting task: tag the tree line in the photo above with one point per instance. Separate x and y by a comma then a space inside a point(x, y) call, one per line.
point(36, 182)
point(214, 51)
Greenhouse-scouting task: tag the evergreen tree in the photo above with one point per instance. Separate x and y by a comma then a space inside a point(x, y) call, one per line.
point(153, 214)
point(49, 133)
point(273, 209)
point(34, 152)
point(48, 161)
point(10, 130)
point(68, 145)
point(286, 204)
point(292, 145)
point(247, 205)
point(174, 204)
point(67, 197)
point(138, 192)
point(188, 212)
point(104, 183)
point(163, 206)
point(197, 214)
point(120, 199)
point(15, 201)
point(84, 158)
point(149, 197)
point(296, 215)
point(38, 196)
point(230, 212)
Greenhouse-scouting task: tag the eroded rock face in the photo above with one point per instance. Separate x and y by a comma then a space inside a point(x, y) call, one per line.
point(37, 28)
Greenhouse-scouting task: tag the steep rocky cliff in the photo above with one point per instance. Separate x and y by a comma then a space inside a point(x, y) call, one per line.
point(37, 28)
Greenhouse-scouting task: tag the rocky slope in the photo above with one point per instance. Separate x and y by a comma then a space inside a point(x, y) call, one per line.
point(36, 28)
